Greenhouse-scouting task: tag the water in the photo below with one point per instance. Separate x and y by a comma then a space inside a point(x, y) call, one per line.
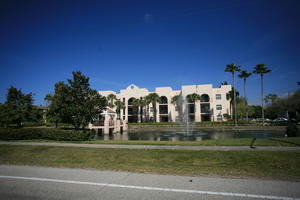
point(195, 135)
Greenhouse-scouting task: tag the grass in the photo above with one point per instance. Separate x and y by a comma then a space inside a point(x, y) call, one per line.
point(293, 141)
point(258, 164)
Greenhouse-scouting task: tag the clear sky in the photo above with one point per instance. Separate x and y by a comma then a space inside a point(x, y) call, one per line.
point(148, 43)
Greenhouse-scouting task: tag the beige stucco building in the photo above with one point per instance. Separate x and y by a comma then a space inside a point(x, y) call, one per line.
point(211, 107)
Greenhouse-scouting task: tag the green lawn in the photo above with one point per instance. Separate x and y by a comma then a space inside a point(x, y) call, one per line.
point(295, 141)
point(257, 164)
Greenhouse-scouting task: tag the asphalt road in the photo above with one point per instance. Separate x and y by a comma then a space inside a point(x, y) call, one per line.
point(28, 182)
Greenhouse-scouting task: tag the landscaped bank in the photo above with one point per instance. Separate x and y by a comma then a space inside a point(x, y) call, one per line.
point(294, 141)
point(257, 164)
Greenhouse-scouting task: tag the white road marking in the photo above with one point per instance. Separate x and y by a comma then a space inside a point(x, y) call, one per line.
point(153, 188)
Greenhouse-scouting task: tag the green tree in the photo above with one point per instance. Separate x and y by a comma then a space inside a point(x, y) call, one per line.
point(244, 75)
point(242, 108)
point(261, 70)
point(17, 109)
point(119, 105)
point(153, 98)
point(147, 102)
point(58, 104)
point(230, 97)
point(232, 68)
point(139, 105)
point(254, 111)
point(111, 98)
point(271, 98)
point(80, 104)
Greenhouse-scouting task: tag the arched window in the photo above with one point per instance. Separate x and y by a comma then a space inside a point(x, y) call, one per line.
point(204, 98)
point(163, 100)
point(189, 100)
point(163, 109)
point(130, 101)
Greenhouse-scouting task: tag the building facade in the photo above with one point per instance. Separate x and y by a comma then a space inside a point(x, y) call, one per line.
point(212, 105)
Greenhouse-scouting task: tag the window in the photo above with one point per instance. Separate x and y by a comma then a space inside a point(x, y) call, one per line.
point(163, 100)
point(205, 108)
point(219, 107)
point(204, 98)
point(191, 108)
point(219, 117)
point(163, 109)
point(218, 96)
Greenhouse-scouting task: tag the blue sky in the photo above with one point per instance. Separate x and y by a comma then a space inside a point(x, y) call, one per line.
point(148, 43)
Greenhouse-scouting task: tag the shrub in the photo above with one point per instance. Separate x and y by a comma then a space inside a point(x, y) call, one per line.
point(292, 130)
point(46, 133)
point(31, 124)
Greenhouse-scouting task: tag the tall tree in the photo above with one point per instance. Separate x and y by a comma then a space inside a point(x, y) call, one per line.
point(153, 98)
point(139, 105)
point(230, 97)
point(232, 68)
point(244, 75)
point(261, 70)
point(119, 105)
point(80, 104)
point(17, 108)
point(147, 102)
point(58, 103)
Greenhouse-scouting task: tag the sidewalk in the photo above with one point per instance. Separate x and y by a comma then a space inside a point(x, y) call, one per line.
point(197, 148)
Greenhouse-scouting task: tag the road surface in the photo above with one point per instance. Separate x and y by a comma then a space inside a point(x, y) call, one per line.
point(29, 182)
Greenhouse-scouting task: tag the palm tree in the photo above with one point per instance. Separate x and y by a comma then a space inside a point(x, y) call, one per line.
point(177, 100)
point(139, 104)
point(146, 104)
point(233, 68)
point(229, 97)
point(119, 105)
point(244, 75)
point(261, 69)
point(110, 98)
point(153, 98)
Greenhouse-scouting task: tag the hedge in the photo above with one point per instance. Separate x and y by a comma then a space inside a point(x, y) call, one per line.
point(46, 133)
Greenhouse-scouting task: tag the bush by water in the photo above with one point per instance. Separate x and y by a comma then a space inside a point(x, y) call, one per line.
point(46, 133)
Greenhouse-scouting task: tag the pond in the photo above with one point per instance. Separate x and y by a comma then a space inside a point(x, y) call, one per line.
point(195, 135)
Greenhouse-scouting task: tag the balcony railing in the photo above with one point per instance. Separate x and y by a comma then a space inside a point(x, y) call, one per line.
point(98, 123)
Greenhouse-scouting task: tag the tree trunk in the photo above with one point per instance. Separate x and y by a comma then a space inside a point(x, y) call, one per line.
point(245, 97)
point(234, 100)
point(262, 99)
point(141, 114)
point(154, 111)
